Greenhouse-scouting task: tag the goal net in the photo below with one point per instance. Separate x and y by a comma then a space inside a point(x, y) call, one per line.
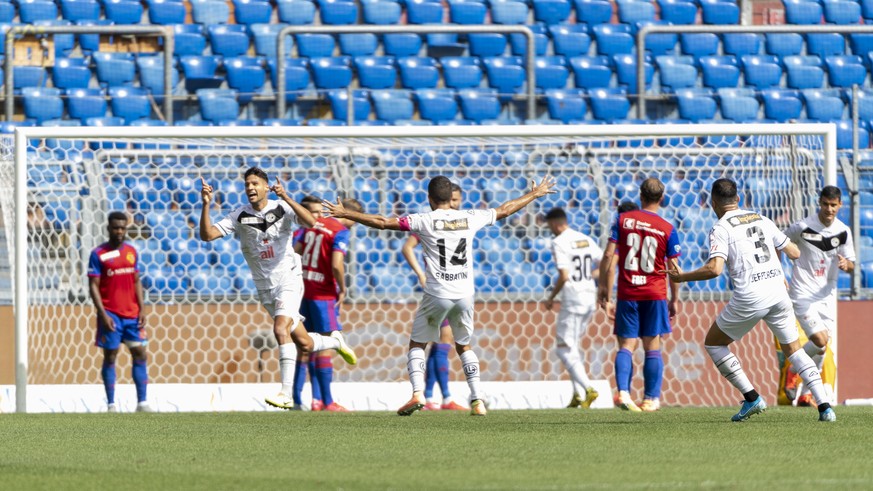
point(205, 325)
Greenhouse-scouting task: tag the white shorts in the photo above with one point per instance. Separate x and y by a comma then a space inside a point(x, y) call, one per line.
point(283, 300)
point(816, 316)
point(737, 320)
point(572, 326)
point(431, 313)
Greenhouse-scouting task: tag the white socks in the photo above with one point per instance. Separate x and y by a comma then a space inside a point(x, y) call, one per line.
point(321, 343)
point(287, 361)
point(573, 363)
point(730, 367)
point(471, 371)
point(805, 367)
point(415, 365)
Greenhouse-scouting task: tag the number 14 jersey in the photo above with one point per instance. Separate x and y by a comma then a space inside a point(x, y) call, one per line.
point(643, 240)
point(446, 238)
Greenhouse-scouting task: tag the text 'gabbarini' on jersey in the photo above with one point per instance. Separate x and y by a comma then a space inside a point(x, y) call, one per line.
point(578, 254)
point(815, 272)
point(643, 240)
point(319, 242)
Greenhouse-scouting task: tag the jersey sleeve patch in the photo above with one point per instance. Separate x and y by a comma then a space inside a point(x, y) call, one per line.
point(404, 223)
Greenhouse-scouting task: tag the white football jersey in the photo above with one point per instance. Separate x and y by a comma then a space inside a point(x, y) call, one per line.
point(748, 241)
point(265, 238)
point(578, 254)
point(446, 238)
point(815, 272)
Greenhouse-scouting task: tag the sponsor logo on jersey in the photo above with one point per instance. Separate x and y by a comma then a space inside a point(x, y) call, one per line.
point(744, 219)
point(580, 244)
point(109, 255)
point(459, 224)
point(120, 271)
point(629, 223)
point(269, 253)
point(313, 276)
point(251, 220)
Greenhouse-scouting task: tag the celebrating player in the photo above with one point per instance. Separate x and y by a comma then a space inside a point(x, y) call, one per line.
point(644, 240)
point(446, 237)
point(826, 248)
point(745, 241)
point(576, 258)
point(264, 229)
point(323, 248)
point(116, 290)
point(438, 358)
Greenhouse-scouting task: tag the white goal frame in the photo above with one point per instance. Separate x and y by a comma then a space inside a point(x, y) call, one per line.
point(22, 134)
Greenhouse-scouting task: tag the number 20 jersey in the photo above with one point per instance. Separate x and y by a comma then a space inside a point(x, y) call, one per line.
point(748, 241)
point(446, 238)
point(643, 240)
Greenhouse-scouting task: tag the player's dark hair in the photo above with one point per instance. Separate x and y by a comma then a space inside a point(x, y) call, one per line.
point(439, 189)
point(310, 199)
point(457, 189)
point(256, 171)
point(724, 192)
point(831, 192)
point(353, 204)
point(557, 213)
point(651, 190)
point(626, 206)
point(117, 215)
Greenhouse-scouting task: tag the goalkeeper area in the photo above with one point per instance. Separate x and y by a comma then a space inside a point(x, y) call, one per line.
point(677, 448)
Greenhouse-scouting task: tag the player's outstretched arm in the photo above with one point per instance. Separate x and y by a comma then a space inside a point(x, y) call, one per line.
point(337, 210)
point(408, 251)
point(537, 191)
point(712, 269)
point(208, 232)
point(303, 214)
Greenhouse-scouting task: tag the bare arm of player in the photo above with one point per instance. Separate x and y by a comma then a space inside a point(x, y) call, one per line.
point(712, 269)
point(563, 276)
point(338, 266)
point(94, 289)
point(337, 210)
point(845, 264)
point(673, 263)
point(605, 287)
point(408, 251)
point(140, 300)
point(208, 232)
point(298, 248)
point(791, 250)
point(537, 191)
point(303, 214)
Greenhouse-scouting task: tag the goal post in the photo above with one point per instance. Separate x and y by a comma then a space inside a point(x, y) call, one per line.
point(207, 320)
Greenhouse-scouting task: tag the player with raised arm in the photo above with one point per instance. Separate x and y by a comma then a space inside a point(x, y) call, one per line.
point(323, 248)
point(577, 258)
point(116, 290)
point(264, 228)
point(746, 241)
point(826, 248)
point(438, 359)
point(645, 242)
point(446, 237)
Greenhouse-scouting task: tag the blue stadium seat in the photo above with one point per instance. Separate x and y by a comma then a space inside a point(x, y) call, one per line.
point(331, 73)
point(69, 73)
point(541, 41)
point(659, 43)
point(76, 10)
point(823, 104)
point(626, 72)
point(381, 12)
point(464, 13)
point(376, 72)
point(358, 44)
point(804, 72)
point(505, 74)
point(123, 11)
point(720, 12)
point(566, 104)
point(699, 45)
point(30, 11)
point(551, 12)
point(761, 71)
point(392, 105)
point(190, 40)
point(826, 44)
point(151, 76)
point(296, 12)
point(200, 73)
point(105, 121)
point(613, 39)
point(86, 103)
point(720, 71)
point(228, 40)
point(218, 105)
point(130, 103)
point(210, 12)
point(479, 104)
point(489, 44)
point(551, 72)
point(339, 104)
point(593, 12)
point(42, 103)
point(418, 73)
point(7, 13)
point(246, 75)
point(315, 45)
point(741, 44)
point(866, 9)
point(591, 72)
point(509, 12)
point(739, 105)
point(781, 105)
point(845, 135)
point(570, 40)
point(862, 44)
point(802, 12)
point(114, 69)
point(167, 12)
point(696, 105)
point(28, 76)
point(676, 72)
point(148, 122)
point(633, 11)
point(842, 12)
point(64, 43)
point(266, 36)
point(191, 122)
point(296, 76)
point(783, 44)
point(845, 71)
point(248, 12)
point(338, 12)
point(401, 45)
point(425, 12)
point(680, 12)
point(865, 105)
point(436, 105)
point(609, 104)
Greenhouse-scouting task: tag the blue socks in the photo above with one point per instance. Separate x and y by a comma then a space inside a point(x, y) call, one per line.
point(623, 369)
point(140, 377)
point(299, 380)
point(324, 374)
point(313, 379)
point(430, 373)
point(108, 374)
point(440, 354)
point(653, 371)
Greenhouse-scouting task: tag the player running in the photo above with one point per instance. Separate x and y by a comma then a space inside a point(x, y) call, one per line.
point(643, 240)
point(446, 237)
point(576, 258)
point(264, 228)
point(746, 241)
point(116, 290)
point(438, 358)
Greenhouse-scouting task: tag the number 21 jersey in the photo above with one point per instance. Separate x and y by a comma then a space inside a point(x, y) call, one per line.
point(643, 240)
point(446, 238)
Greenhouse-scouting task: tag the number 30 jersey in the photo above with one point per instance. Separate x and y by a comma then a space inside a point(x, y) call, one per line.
point(578, 254)
point(748, 242)
point(643, 240)
point(446, 238)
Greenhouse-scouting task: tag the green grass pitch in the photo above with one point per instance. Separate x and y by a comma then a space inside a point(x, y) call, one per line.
point(785, 448)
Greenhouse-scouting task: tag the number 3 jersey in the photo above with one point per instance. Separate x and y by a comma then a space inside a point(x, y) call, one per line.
point(748, 242)
point(578, 254)
point(643, 240)
point(446, 238)
point(319, 242)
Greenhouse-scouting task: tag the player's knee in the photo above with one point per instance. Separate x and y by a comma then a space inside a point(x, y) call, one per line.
point(109, 356)
point(820, 339)
point(461, 348)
